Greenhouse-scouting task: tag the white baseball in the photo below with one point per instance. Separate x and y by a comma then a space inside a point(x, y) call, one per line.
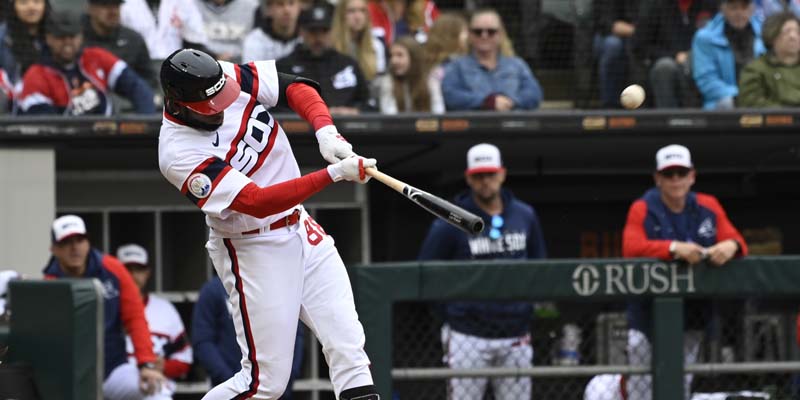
point(632, 97)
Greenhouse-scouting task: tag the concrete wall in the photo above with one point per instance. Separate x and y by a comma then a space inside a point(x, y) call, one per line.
point(27, 208)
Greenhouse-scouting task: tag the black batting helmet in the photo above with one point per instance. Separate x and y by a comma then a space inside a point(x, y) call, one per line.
point(195, 80)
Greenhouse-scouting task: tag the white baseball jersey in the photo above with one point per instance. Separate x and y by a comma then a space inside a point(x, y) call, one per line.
point(166, 331)
point(212, 167)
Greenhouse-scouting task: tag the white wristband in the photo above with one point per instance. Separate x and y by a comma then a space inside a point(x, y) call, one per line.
point(334, 172)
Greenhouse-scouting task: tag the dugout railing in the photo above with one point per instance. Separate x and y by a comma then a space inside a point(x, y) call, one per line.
point(380, 287)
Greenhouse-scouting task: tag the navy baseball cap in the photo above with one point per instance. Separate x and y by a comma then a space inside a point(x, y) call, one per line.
point(320, 15)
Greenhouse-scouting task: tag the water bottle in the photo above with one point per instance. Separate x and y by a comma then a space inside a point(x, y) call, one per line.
point(569, 346)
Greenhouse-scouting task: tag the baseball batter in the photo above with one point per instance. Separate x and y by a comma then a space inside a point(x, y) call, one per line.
point(222, 149)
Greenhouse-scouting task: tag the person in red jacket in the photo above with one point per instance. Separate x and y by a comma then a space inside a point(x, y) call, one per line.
point(123, 311)
point(74, 80)
point(671, 222)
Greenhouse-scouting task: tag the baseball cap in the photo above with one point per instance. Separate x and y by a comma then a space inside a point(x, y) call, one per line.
point(132, 254)
point(63, 23)
point(320, 15)
point(483, 157)
point(66, 227)
point(673, 156)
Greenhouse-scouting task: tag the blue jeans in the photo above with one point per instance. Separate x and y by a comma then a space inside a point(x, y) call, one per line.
point(612, 67)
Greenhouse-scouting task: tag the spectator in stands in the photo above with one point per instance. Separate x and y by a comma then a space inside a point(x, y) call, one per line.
point(406, 88)
point(773, 80)
point(352, 35)
point(174, 24)
point(661, 44)
point(614, 27)
point(73, 257)
point(227, 22)
point(167, 333)
point(21, 44)
point(446, 42)
point(343, 85)
point(721, 49)
point(395, 18)
point(103, 29)
point(276, 36)
point(76, 81)
point(214, 338)
point(487, 334)
point(765, 8)
point(490, 77)
point(671, 222)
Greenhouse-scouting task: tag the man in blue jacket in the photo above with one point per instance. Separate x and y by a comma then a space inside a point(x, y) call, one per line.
point(722, 48)
point(488, 334)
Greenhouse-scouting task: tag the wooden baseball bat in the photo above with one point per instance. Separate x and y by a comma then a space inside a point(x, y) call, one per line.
point(453, 214)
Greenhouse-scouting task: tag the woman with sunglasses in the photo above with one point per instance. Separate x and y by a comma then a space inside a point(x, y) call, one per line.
point(487, 334)
point(671, 222)
point(490, 77)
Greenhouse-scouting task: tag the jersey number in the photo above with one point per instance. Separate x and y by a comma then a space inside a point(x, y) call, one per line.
point(314, 232)
point(254, 142)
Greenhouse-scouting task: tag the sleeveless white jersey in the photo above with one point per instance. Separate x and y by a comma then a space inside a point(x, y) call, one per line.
point(210, 168)
point(166, 331)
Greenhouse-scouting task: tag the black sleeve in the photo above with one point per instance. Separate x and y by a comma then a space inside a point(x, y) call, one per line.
point(284, 80)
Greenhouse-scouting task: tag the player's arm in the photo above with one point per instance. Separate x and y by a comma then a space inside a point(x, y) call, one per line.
point(635, 242)
point(725, 228)
point(132, 312)
point(536, 244)
point(272, 88)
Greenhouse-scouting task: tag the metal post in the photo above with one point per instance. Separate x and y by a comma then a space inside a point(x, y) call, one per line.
point(667, 364)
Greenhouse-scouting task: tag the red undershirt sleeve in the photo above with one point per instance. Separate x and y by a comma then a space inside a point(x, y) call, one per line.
point(307, 103)
point(262, 202)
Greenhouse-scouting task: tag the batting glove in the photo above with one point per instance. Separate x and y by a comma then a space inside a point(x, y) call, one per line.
point(351, 169)
point(332, 145)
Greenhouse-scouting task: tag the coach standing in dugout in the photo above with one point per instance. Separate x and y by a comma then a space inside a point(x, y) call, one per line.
point(671, 222)
point(73, 257)
point(488, 334)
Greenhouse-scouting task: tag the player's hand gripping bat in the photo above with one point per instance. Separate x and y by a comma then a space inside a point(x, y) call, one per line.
point(455, 215)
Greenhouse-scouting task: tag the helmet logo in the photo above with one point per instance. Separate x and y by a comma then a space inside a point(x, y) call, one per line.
point(217, 86)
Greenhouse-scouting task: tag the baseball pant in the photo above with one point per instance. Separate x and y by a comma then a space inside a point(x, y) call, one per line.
point(466, 351)
point(640, 353)
point(123, 384)
point(271, 278)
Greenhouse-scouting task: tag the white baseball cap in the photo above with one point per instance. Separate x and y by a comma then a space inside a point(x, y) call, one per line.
point(672, 156)
point(132, 254)
point(483, 157)
point(67, 226)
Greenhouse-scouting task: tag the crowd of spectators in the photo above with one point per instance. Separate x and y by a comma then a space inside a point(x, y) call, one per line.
point(687, 53)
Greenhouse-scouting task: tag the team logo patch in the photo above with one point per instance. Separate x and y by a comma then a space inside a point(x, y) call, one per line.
point(200, 185)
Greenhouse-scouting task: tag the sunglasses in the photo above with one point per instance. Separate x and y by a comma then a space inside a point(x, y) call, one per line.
point(672, 172)
point(497, 224)
point(488, 31)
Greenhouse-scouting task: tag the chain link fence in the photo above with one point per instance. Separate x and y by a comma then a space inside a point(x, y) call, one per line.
point(590, 351)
